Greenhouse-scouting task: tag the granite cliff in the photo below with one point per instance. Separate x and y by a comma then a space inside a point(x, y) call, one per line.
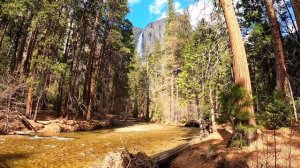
point(145, 39)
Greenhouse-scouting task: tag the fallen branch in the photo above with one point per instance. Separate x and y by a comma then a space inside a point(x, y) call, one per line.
point(167, 156)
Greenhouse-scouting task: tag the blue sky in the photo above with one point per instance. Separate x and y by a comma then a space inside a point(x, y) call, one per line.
point(143, 12)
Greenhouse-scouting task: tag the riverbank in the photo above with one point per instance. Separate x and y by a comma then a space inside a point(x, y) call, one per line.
point(280, 148)
point(14, 123)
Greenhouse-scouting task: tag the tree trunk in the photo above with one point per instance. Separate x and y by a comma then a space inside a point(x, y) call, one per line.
point(33, 70)
point(172, 97)
point(92, 97)
point(75, 54)
point(59, 96)
point(239, 58)
point(212, 109)
point(147, 118)
point(21, 50)
point(177, 103)
point(94, 85)
point(89, 69)
point(29, 51)
point(37, 108)
point(296, 8)
point(199, 113)
point(282, 79)
point(16, 46)
point(29, 98)
point(3, 35)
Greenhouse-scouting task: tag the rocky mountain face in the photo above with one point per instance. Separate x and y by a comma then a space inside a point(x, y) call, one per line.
point(145, 39)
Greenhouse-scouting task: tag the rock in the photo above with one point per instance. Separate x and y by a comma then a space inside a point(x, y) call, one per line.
point(52, 128)
point(127, 160)
point(115, 121)
point(114, 160)
point(192, 123)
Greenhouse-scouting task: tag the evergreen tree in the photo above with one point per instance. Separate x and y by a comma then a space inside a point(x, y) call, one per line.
point(240, 66)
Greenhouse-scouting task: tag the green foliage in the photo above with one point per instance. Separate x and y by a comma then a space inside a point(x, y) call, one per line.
point(234, 102)
point(157, 112)
point(297, 102)
point(205, 61)
point(278, 113)
point(138, 84)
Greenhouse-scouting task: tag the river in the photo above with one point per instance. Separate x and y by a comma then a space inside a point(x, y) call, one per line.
point(83, 149)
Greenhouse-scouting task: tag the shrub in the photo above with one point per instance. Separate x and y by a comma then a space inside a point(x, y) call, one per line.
point(278, 112)
point(298, 105)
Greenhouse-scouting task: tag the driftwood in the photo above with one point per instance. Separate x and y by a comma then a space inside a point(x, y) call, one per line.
point(167, 156)
point(27, 124)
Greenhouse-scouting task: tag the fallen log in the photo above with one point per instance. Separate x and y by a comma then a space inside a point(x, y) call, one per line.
point(27, 124)
point(48, 122)
point(167, 156)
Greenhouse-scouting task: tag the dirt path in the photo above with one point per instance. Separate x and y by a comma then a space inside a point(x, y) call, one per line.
point(212, 152)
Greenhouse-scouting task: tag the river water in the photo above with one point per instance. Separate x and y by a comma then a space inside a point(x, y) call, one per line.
point(83, 149)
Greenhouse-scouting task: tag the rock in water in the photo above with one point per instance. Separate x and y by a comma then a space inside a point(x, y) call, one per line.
point(127, 160)
point(114, 160)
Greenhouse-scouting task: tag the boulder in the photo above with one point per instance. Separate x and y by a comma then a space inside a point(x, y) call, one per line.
point(127, 160)
point(192, 123)
point(51, 128)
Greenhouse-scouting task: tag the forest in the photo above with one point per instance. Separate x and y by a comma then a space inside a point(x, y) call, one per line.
point(77, 90)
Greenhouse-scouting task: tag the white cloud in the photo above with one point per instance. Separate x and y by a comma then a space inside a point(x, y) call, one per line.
point(131, 2)
point(177, 6)
point(200, 10)
point(157, 7)
point(163, 15)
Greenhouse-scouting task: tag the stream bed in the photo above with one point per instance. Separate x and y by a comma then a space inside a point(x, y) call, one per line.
point(83, 149)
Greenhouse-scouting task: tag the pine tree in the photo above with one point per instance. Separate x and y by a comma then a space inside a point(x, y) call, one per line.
point(239, 59)
point(282, 78)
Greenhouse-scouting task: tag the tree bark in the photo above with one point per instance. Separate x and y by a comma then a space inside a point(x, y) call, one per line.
point(296, 8)
point(16, 46)
point(147, 118)
point(198, 108)
point(29, 51)
point(3, 35)
point(28, 112)
point(239, 58)
point(282, 78)
point(33, 69)
point(172, 97)
point(92, 97)
point(89, 69)
point(212, 109)
point(21, 50)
